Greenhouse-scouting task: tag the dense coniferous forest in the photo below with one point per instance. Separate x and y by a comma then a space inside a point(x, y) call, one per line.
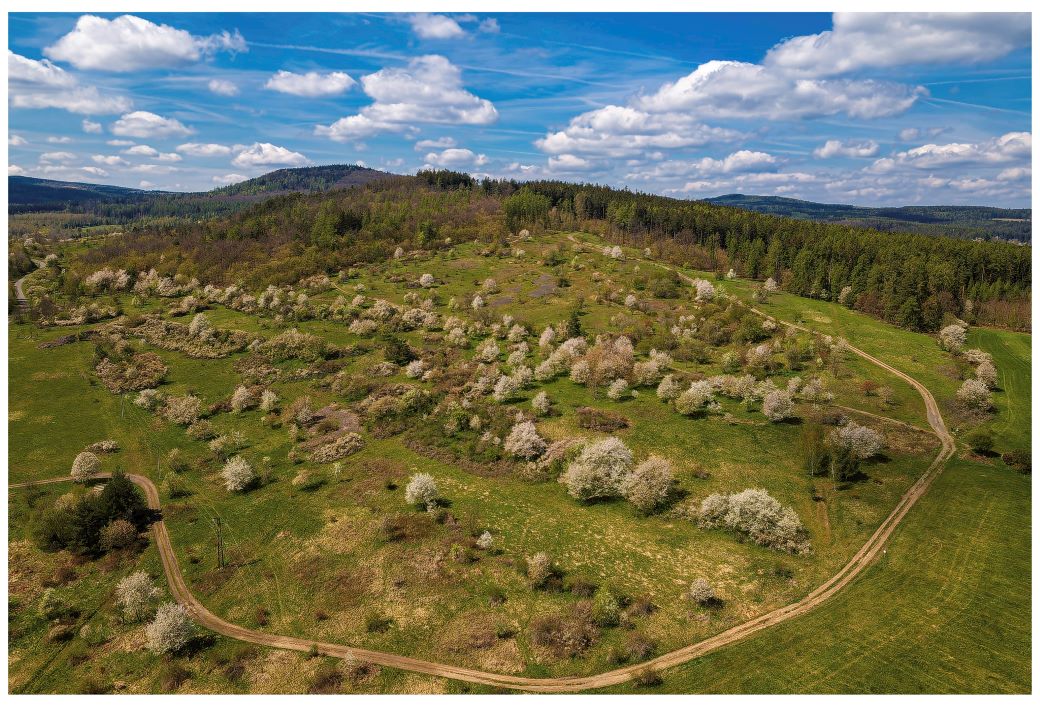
point(914, 281)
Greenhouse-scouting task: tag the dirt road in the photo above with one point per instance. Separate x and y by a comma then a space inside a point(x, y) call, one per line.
point(860, 561)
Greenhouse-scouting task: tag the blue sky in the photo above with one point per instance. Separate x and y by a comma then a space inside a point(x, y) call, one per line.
point(864, 109)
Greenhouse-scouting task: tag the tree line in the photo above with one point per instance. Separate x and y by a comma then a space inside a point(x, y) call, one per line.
point(914, 281)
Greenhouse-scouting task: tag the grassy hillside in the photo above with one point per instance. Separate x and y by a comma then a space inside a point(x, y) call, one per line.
point(948, 609)
point(315, 559)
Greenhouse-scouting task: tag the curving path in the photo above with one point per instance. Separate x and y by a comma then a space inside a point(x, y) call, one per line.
point(860, 561)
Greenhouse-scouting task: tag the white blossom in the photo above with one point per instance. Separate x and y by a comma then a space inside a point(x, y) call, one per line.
point(237, 474)
point(171, 629)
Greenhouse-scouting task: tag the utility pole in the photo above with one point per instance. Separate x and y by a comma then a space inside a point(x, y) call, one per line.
point(220, 543)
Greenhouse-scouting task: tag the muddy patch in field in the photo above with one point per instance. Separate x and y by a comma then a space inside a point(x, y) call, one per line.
point(544, 286)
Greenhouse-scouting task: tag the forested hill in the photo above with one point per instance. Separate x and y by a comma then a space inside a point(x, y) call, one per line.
point(32, 194)
point(956, 221)
point(911, 280)
point(305, 179)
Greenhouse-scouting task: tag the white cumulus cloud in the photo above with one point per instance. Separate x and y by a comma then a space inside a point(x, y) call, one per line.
point(89, 126)
point(428, 90)
point(310, 84)
point(837, 148)
point(57, 157)
point(143, 124)
point(436, 144)
point(16, 140)
point(429, 26)
point(229, 178)
point(264, 153)
point(861, 40)
point(109, 160)
point(43, 84)
point(618, 130)
point(568, 163)
point(130, 43)
point(209, 149)
point(456, 157)
point(1010, 147)
point(222, 87)
point(741, 90)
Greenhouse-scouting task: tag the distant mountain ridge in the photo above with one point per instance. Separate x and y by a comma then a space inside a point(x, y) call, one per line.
point(957, 221)
point(29, 194)
point(47, 194)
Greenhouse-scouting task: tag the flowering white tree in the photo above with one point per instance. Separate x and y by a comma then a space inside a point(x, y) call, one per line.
point(182, 409)
point(171, 629)
point(523, 376)
point(771, 286)
point(581, 372)
point(486, 541)
point(242, 399)
point(268, 400)
point(422, 491)
point(758, 515)
point(952, 337)
point(974, 394)
point(199, 325)
point(85, 465)
point(517, 333)
point(648, 485)
point(631, 301)
point(617, 389)
point(539, 568)
point(415, 368)
point(862, 441)
point(427, 280)
point(505, 388)
point(547, 338)
point(705, 290)
point(695, 398)
point(488, 351)
point(541, 403)
point(135, 593)
point(701, 592)
point(777, 405)
point(524, 441)
point(477, 302)
point(598, 470)
point(237, 474)
point(987, 373)
point(457, 337)
point(149, 399)
point(976, 356)
point(668, 389)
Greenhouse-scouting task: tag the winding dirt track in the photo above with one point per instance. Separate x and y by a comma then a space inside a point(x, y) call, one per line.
point(866, 554)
